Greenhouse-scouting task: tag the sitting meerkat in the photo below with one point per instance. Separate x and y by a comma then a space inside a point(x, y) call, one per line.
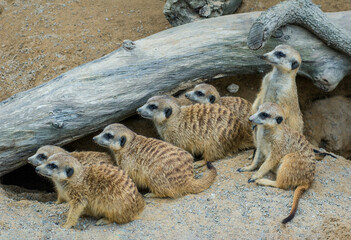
point(286, 150)
point(208, 129)
point(99, 190)
point(206, 93)
point(86, 158)
point(166, 170)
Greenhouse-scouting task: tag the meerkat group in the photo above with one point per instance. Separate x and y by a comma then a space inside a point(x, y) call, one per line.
point(199, 123)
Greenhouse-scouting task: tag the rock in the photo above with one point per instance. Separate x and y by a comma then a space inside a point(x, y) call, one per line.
point(233, 88)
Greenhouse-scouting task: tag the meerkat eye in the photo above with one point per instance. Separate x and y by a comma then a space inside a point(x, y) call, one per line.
point(51, 166)
point(199, 94)
point(264, 115)
point(108, 136)
point(152, 107)
point(41, 157)
point(279, 54)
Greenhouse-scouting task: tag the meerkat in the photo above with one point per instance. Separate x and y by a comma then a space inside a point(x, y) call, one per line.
point(287, 152)
point(166, 170)
point(208, 129)
point(206, 93)
point(279, 85)
point(86, 158)
point(99, 190)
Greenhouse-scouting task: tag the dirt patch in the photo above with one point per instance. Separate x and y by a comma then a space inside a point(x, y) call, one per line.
point(230, 209)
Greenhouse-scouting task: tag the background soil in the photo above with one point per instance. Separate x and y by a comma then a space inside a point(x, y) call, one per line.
point(41, 39)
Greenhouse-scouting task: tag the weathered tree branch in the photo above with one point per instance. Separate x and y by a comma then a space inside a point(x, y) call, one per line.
point(109, 89)
point(305, 14)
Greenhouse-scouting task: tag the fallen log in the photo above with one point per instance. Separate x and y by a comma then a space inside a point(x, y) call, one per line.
point(109, 89)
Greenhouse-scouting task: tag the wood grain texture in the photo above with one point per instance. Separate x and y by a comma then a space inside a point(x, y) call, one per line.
point(109, 89)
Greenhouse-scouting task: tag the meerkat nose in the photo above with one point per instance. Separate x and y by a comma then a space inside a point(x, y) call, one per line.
point(262, 56)
point(138, 110)
point(95, 139)
point(36, 169)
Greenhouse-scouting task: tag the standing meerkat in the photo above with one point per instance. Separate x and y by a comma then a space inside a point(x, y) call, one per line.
point(279, 85)
point(99, 190)
point(86, 158)
point(166, 170)
point(208, 129)
point(206, 93)
point(286, 151)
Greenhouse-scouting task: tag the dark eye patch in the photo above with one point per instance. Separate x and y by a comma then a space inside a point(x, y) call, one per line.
point(152, 107)
point(279, 54)
point(51, 166)
point(123, 141)
point(108, 136)
point(41, 156)
point(199, 94)
point(264, 115)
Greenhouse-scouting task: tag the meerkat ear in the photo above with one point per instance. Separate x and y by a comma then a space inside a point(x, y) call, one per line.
point(69, 172)
point(294, 65)
point(212, 98)
point(123, 140)
point(168, 112)
point(279, 119)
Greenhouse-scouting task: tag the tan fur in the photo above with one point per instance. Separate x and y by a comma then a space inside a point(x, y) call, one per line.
point(279, 86)
point(86, 158)
point(166, 170)
point(99, 190)
point(208, 129)
point(328, 124)
point(284, 150)
point(209, 94)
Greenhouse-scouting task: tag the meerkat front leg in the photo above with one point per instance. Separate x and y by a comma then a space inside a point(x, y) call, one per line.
point(255, 163)
point(75, 210)
point(267, 166)
point(59, 199)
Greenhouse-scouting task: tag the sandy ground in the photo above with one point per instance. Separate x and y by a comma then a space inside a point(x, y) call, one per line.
point(230, 209)
point(41, 39)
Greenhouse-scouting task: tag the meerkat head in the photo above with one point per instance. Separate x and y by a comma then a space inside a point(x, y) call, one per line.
point(284, 57)
point(203, 93)
point(159, 109)
point(60, 167)
point(43, 153)
point(115, 136)
point(268, 114)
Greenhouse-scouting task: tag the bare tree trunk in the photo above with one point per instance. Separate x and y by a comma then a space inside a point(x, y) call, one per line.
point(109, 89)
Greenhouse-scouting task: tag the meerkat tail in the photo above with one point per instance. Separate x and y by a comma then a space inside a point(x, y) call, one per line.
point(297, 195)
point(321, 155)
point(199, 185)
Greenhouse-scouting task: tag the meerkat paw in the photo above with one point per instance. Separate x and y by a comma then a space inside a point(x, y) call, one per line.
point(103, 221)
point(67, 225)
point(266, 182)
point(59, 201)
point(199, 164)
point(150, 195)
point(245, 169)
point(251, 180)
